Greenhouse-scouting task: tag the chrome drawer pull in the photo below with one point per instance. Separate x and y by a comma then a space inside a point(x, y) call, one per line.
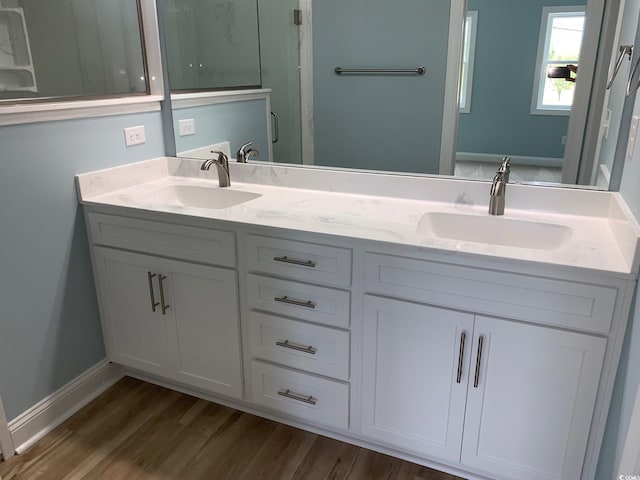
point(478, 362)
point(287, 344)
point(303, 263)
point(154, 304)
point(165, 307)
point(296, 396)
point(463, 337)
point(291, 301)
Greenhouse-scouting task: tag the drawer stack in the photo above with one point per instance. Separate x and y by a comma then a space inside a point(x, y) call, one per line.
point(298, 324)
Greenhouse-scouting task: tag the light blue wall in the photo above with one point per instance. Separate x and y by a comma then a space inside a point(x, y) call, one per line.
point(500, 121)
point(628, 28)
point(379, 122)
point(49, 324)
point(628, 377)
point(236, 122)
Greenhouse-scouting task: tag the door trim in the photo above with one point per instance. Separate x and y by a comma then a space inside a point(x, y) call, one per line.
point(580, 108)
point(452, 82)
point(305, 38)
point(6, 442)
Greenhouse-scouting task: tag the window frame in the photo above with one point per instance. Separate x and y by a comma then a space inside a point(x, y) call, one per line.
point(471, 18)
point(542, 53)
point(39, 110)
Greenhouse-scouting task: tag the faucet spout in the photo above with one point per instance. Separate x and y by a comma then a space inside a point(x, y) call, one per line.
point(222, 166)
point(497, 194)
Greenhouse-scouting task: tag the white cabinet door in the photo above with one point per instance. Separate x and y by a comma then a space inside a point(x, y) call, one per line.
point(175, 319)
point(204, 302)
point(136, 335)
point(415, 374)
point(529, 412)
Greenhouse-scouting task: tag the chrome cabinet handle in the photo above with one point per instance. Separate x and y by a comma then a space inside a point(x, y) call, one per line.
point(296, 396)
point(165, 307)
point(291, 301)
point(463, 338)
point(287, 344)
point(154, 304)
point(276, 133)
point(304, 263)
point(478, 361)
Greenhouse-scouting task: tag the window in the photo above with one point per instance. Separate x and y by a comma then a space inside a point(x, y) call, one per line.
point(468, 54)
point(561, 33)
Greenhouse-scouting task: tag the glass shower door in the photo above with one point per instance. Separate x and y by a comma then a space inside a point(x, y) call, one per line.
point(280, 64)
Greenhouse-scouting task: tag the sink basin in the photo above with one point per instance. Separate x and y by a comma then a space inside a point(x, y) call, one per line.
point(197, 196)
point(495, 230)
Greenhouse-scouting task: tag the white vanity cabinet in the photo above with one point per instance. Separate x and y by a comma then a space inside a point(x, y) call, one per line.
point(510, 398)
point(298, 328)
point(175, 319)
point(531, 396)
point(528, 391)
point(498, 370)
point(416, 367)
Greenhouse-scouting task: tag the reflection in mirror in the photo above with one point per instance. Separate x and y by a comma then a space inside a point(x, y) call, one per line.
point(514, 107)
point(62, 48)
point(464, 113)
point(211, 44)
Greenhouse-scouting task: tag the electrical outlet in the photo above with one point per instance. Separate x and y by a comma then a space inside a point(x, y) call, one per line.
point(134, 135)
point(563, 140)
point(187, 127)
point(633, 134)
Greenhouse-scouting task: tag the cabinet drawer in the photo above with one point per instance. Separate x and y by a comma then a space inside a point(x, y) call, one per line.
point(300, 260)
point(300, 345)
point(307, 302)
point(189, 243)
point(301, 395)
point(548, 301)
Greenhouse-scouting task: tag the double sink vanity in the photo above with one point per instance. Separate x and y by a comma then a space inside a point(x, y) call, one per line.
point(408, 321)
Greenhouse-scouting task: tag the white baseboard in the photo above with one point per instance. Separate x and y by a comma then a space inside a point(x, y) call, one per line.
point(515, 159)
point(35, 423)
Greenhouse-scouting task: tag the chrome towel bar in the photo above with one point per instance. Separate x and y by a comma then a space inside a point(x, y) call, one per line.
point(417, 70)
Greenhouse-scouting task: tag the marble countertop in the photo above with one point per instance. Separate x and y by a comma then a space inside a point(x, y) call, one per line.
point(606, 240)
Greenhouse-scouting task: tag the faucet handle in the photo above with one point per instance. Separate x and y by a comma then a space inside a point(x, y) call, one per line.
point(252, 152)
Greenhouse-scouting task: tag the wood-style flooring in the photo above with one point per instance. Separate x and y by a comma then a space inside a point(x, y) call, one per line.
point(136, 430)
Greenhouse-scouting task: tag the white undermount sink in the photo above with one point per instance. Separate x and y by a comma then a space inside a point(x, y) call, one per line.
point(495, 230)
point(196, 196)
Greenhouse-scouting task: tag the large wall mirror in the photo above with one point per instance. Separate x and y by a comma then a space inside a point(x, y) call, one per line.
point(412, 86)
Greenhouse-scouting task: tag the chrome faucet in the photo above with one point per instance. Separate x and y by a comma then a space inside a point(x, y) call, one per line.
point(499, 188)
point(222, 165)
point(243, 155)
